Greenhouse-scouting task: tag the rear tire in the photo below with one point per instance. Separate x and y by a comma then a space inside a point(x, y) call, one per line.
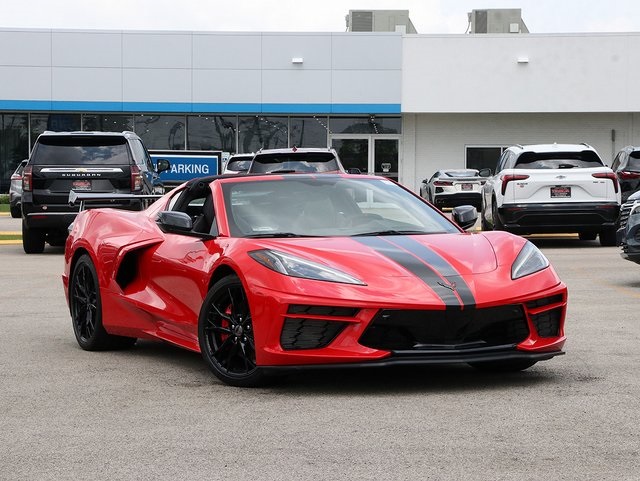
point(16, 211)
point(86, 310)
point(587, 236)
point(607, 237)
point(32, 240)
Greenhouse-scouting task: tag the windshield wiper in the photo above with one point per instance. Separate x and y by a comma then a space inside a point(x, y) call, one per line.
point(391, 232)
point(276, 235)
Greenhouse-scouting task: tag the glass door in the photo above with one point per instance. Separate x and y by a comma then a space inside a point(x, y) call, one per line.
point(354, 153)
point(370, 153)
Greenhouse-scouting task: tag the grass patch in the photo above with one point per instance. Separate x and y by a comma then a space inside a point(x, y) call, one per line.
point(4, 237)
point(4, 207)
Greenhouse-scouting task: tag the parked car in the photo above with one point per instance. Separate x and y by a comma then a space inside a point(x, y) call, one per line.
point(453, 187)
point(628, 234)
point(15, 191)
point(367, 274)
point(549, 188)
point(626, 165)
point(309, 160)
point(98, 162)
point(238, 164)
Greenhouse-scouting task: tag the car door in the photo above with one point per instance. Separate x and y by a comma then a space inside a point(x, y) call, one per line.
point(181, 267)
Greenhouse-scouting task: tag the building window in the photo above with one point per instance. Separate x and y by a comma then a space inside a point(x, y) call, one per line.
point(370, 124)
point(308, 131)
point(260, 132)
point(211, 132)
point(53, 122)
point(107, 122)
point(14, 145)
point(483, 157)
point(161, 131)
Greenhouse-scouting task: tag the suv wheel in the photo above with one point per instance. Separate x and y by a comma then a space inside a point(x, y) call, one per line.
point(32, 240)
point(16, 211)
point(497, 223)
point(608, 237)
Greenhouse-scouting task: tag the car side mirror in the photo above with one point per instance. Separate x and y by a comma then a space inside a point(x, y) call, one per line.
point(162, 165)
point(175, 221)
point(485, 173)
point(354, 170)
point(465, 216)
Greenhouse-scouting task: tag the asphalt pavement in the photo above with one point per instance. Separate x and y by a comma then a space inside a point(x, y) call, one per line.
point(156, 413)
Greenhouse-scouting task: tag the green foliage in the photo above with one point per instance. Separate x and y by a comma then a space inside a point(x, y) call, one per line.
point(4, 198)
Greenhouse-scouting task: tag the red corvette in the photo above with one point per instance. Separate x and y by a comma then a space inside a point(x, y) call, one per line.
point(275, 272)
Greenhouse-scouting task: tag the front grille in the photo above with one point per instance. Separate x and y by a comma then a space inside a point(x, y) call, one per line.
point(300, 333)
point(625, 209)
point(448, 329)
point(547, 323)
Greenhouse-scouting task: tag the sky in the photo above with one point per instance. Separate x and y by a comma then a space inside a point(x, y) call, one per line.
point(428, 16)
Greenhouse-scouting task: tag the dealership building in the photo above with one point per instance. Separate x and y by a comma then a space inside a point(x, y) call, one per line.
point(392, 102)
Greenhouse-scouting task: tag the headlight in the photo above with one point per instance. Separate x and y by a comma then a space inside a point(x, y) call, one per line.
point(296, 267)
point(529, 260)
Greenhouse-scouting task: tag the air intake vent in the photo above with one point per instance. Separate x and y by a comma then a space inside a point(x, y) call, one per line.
point(309, 333)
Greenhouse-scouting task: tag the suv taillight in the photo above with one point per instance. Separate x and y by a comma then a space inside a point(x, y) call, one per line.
point(628, 175)
point(136, 178)
point(27, 178)
point(608, 175)
point(509, 178)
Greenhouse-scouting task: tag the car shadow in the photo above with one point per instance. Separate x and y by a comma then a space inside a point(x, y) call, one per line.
point(345, 380)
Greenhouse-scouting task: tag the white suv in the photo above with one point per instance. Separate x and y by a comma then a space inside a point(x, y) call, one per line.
point(551, 188)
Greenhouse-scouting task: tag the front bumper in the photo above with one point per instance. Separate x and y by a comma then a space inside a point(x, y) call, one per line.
point(559, 217)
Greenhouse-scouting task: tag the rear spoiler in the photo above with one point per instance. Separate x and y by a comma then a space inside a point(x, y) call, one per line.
point(77, 198)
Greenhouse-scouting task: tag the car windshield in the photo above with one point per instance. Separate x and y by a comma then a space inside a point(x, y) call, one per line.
point(330, 205)
point(89, 150)
point(291, 162)
point(558, 160)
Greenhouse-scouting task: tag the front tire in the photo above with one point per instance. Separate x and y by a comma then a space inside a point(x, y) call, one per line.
point(225, 333)
point(86, 310)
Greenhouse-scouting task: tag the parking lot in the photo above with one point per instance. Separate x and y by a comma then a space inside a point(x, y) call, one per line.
point(156, 412)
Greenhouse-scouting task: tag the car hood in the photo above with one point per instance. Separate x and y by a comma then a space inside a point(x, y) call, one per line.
point(400, 266)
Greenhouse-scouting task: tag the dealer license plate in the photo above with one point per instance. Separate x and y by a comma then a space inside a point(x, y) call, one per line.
point(81, 185)
point(561, 191)
point(467, 186)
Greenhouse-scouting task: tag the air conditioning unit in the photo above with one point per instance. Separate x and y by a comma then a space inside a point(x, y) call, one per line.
point(498, 20)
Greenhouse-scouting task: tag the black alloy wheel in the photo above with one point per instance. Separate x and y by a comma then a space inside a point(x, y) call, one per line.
point(86, 310)
point(225, 333)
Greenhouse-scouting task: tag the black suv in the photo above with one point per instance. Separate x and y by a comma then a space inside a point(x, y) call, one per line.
point(626, 165)
point(97, 162)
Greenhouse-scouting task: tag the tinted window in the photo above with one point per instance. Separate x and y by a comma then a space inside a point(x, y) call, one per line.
point(211, 132)
point(258, 132)
point(81, 151)
point(558, 160)
point(327, 206)
point(634, 161)
point(307, 162)
point(161, 131)
point(365, 125)
point(308, 132)
point(239, 165)
point(107, 122)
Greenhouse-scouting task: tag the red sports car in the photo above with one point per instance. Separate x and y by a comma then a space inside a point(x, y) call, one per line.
point(273, 272)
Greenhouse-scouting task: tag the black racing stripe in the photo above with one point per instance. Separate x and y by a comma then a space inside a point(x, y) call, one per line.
point(438, 263)
point(413, 265)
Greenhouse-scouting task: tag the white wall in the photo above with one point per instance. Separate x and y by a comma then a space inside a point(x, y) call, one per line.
point(436, 141)
point(480, 73)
